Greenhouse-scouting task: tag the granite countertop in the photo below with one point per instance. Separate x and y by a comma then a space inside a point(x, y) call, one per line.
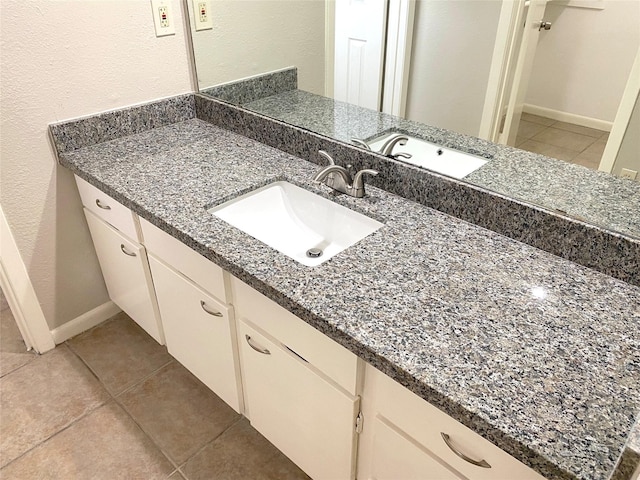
point(597, 197)
point(539, 355)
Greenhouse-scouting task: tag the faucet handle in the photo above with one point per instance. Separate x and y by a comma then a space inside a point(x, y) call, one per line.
point(361, 143)
point(327, 156)
point(358, 182)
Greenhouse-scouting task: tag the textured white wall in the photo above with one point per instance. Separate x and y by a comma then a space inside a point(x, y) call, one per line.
point(59, 60)
point(582, 64)
point(251, 37)
point(453, 45)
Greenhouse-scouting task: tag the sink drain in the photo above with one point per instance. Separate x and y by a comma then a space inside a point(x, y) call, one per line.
point(314, 253)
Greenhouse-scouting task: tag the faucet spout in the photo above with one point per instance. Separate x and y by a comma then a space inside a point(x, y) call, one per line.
point(328, 172)
point(388, 146)
point(338, 178)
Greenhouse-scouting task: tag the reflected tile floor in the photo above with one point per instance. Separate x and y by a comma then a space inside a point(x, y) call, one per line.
point(564, 141)
point(111, 403)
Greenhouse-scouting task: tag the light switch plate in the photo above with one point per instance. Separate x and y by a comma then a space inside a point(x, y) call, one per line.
point(202, 17)
point(163, 18)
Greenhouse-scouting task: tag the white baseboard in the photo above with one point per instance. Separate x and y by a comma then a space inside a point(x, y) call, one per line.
point(568, 117)
point(84, 322)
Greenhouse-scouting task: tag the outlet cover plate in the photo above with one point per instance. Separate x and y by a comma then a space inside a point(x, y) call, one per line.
point(202, 17)
point(163, 18)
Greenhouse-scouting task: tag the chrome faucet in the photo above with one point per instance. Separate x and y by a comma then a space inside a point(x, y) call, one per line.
point(361, 143)
point(339, 178)
point(387, 147)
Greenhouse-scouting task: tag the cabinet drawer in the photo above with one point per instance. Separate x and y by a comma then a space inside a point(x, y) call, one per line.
point(126, 275)
point(199, 332)
point(310, 420)
point(188, 262)
point(106, 208)
point(323, 353)
point(422, 423)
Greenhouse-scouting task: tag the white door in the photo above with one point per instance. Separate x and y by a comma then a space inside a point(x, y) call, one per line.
point(524, 65)
point(359, 51)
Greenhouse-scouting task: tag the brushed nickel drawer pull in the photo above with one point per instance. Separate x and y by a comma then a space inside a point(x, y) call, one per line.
point(264, 351)
point(478, 463)
point(210, 312)
point(124, 250)
point(104, 207)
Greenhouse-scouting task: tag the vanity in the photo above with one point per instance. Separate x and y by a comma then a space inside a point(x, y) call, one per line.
point(431, 345)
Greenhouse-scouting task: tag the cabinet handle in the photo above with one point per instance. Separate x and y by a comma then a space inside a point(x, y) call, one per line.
point(478, 463)
point(104, 207)
point(124, 250)
point(264, 351)
point(210, 312)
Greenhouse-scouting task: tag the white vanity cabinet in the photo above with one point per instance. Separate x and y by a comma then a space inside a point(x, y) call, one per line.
point(126, 274)
point(404, 437)
point(122, 259)
point(290, 399)
point(199, 325)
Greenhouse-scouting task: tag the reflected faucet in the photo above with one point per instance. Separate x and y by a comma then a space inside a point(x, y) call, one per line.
point(387, 147)
point(338, 177)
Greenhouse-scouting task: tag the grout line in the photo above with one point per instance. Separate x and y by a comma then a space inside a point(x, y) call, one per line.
point(55, 434)
point(116, 400)
point(240, 417)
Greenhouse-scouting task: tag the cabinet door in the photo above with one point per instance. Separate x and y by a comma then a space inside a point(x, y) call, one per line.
point(308, 418)
point(199, 331)
point(126, 274)
point(395, 456)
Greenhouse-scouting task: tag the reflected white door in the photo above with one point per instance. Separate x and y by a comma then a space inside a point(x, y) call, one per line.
point(359, 51)
point(523, 68)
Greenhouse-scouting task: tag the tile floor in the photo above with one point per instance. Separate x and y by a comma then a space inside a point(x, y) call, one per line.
point(564, 141)
point(111, 403)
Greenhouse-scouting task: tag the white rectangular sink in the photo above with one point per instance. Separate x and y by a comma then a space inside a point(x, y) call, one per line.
point(295, 221)
point(431, 156)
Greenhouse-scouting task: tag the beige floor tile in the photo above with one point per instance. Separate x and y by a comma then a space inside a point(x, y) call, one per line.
point(13, 351)
point(176, 476)
point(527, 130)
point(178, 411)
point(44, 396)
point(528, 117)
point(241, 453)
point(3, 301)
point(520, 140)
point(564, 139)
point(104, 444)
point(591, 156)
point(570, 127)
point(120, 353)
point(548, 150)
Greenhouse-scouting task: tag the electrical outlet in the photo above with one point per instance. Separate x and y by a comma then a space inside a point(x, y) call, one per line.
point(202, 15)
point(163, 18)
point(630, 174)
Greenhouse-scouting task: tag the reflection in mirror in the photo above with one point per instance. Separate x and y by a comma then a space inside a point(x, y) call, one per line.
point(304, 62)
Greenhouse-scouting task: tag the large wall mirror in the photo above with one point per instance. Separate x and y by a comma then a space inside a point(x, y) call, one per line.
point(357, 69)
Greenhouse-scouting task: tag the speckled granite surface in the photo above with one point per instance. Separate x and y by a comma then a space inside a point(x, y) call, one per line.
point(82, 132)
point(604, 250)
point(597, 197)
point(539, 355)
point(255, 88)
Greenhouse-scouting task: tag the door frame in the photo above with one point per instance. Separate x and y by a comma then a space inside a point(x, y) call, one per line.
point(20, 294)
point(397, 62)
point(623, 117)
